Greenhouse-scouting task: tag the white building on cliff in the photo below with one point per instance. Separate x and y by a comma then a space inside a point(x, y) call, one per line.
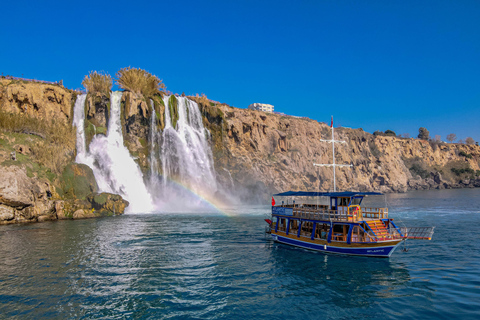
point(261, 106)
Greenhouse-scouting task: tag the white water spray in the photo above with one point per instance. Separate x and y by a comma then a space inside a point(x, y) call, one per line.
point(114, 169)
point(79, 122)
point(186, 155)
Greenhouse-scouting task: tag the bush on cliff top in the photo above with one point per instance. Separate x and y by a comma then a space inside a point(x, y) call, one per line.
point(98, 82)
point(139, 81)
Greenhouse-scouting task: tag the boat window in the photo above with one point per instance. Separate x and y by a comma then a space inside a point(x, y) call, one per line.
point(307, 227)
point(322, 230)
point(356, 201)
point(357, 234)
point(343, 202)
point(340, 232)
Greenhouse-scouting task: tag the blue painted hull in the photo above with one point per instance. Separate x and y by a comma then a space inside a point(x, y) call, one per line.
point(380, 251)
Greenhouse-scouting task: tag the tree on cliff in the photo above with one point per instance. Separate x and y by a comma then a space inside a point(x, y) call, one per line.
point(423, 134)
point(390, 133)
point(98, 82)
point(469, 140)
point(452, 137)
point(139, 81)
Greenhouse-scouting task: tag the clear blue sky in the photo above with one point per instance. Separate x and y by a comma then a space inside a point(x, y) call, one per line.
point(377, 65)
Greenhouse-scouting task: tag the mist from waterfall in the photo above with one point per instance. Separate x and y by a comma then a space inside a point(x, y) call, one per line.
point(114, 168)
point(185, 154)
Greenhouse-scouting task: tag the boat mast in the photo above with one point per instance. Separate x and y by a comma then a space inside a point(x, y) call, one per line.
point(333, 164)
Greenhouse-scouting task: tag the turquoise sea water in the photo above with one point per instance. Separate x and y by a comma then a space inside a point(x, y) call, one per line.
point(214, 266)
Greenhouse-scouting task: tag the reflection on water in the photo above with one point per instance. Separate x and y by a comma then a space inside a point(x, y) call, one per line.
point(222, 267)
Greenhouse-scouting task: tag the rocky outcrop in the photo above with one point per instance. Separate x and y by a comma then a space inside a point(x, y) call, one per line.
point(43, 101)
point(32, 185)
point(24, 199)
point(95, 205)
point(77, 182)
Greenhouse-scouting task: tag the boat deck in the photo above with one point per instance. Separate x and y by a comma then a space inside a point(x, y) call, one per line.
point(347, 214)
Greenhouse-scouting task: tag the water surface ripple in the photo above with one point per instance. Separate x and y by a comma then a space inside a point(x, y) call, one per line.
point(215, 266)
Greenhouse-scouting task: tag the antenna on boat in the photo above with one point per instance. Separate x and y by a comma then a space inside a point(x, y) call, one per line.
point(333, 164)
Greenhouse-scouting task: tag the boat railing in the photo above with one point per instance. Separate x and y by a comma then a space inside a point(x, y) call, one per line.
point(321, 214)
point(418, 233)
point(354, 213)
point(375, 213)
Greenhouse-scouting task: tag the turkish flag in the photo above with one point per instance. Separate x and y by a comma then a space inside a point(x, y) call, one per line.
point(273, 201)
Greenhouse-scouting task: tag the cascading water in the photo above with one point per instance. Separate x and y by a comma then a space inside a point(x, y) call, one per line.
point(154, 179)
point(79, 122)
point(186, 155)
point(113, 167)
point(181, 152)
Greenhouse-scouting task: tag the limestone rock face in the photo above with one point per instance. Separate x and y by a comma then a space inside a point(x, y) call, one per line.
point(136, 120)
point(266, 153)
point(6, 214)
point(16, 188)
point(97, 109)
point(28, 199)
point(43, 101)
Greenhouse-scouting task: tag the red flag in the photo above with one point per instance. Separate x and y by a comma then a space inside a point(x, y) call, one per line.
point(273, 201)
point(331, 125)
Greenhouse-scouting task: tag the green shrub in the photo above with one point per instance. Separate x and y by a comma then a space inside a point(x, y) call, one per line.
point(459, 171)
point(417, 169)
point(390, 133)
point(464, 154)
point(423, 134)
point(173, 107)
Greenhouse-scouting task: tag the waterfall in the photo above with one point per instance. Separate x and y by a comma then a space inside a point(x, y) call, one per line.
point(114, 168)
point(79, 122)
point(185, 154)
point(181, 151)
point(154, 181)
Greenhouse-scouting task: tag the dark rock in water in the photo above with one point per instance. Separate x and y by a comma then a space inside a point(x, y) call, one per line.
point(107, 204)
point(95, 205)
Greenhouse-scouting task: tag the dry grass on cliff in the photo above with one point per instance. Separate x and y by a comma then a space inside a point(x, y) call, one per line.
point(139, 82)
point(57, 144)
point(98, 82)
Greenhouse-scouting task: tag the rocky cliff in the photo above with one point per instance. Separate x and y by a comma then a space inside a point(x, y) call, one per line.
point(255, 153)
point(266, 153)
point(38, 179)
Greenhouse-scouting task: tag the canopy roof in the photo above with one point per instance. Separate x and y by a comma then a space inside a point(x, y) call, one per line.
point(326, 194)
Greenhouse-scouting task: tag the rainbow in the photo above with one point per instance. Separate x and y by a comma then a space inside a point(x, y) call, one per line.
point(211, 203)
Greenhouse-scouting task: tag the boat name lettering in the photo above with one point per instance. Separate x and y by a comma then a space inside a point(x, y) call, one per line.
point(282, 211)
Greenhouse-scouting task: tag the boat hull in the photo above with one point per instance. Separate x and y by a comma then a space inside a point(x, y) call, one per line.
point(378, 249)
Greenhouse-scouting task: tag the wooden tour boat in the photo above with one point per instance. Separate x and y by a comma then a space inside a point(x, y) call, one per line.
point(339, 226)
